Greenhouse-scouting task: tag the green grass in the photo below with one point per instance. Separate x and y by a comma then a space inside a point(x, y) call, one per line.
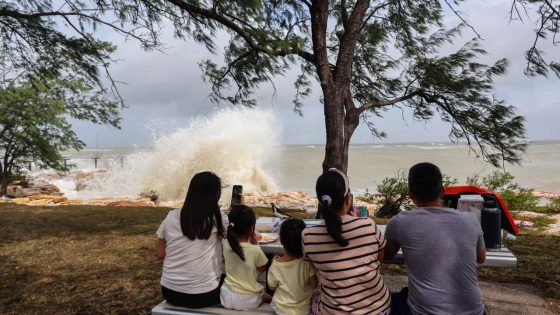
point(79, 259)
point(101, 260)
point(538, 264)
point(542, 222)
point(553, 207)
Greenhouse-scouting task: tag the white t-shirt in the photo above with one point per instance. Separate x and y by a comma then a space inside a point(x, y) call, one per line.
point(191, 267)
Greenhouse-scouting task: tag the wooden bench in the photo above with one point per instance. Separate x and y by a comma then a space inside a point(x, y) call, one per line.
point(165, 308)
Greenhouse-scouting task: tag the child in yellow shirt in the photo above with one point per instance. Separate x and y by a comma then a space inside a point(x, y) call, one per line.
point(292, 277)
point(242, 260)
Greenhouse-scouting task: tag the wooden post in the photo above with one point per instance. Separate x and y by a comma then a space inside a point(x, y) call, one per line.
point(95, 159)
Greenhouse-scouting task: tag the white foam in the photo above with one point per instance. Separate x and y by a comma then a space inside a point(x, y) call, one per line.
point(434, 147)
point(233, 143)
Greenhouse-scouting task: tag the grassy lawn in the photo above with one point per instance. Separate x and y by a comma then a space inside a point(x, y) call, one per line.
point(538, 264)
point(86, 259)
point(99, 260)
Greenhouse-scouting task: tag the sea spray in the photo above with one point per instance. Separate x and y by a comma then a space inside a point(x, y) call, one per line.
point(233, 143)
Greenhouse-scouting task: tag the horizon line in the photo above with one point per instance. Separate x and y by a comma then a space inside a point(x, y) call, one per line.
point(322, 144)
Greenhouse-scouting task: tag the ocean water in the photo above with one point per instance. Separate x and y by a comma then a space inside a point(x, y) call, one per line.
point(369, 164)
point(296, 167)
point(241, 146)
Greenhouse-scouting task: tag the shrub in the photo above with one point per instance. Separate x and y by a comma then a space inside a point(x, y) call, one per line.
point(553, 206)
point(151, 194)
point(393, 193)
point(542, 222)
point(496, 181)
point(369, 198)
point(522, 199)
point(555, 202)
point(515, 197)
point(20, 178)
point(448, 181)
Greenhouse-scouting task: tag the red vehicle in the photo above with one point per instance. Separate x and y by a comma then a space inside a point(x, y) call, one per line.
point(451, 197)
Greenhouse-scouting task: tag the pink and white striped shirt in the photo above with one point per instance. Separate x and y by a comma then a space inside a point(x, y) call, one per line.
point(349, 276)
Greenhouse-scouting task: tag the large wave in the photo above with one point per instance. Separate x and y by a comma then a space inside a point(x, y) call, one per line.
point(233, 143)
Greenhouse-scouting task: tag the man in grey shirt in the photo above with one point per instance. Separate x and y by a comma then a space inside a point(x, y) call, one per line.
point(441, 247)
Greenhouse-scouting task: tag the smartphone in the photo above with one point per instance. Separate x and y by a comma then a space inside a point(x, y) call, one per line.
point(236, 193)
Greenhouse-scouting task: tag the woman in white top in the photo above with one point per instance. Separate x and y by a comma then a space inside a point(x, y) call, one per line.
point(190, 243)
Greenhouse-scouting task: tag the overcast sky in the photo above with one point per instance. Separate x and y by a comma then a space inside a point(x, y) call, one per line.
point(165, 91)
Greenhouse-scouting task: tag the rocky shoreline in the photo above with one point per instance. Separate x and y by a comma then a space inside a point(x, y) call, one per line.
point(42, 192)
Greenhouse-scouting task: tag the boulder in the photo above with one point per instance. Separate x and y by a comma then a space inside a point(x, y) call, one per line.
point(122, 202)
point(33, 188)
point(50, 198)
point(31, 191)
point(125, 203)
point(20, 200)
point(14, 191)
point(40, 202)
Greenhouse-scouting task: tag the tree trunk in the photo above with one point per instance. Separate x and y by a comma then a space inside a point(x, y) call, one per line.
point(351, 121)
point(341, 119)
point(3, 183)
point(340, 126)
point(334, 126)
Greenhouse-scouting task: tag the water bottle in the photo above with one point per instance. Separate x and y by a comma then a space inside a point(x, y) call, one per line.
point(491, 222)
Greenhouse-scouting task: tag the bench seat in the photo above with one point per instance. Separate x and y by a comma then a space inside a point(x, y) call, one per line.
point(165, 308)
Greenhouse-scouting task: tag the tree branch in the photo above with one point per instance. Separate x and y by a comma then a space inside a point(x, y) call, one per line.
point(16, 14)
point(533, 50)
point(212, 15)
point(458, 14)
point(307, 3)
point(343, 68)
point(344, 13)
point(372, 14)
point(552, 8)
point(319, 19)
point(377, 104)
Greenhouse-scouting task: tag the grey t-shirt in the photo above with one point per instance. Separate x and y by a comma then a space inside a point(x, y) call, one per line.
point(439, 247)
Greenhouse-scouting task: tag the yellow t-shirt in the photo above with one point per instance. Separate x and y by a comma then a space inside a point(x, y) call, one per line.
point(241, 276)
point(293, 286)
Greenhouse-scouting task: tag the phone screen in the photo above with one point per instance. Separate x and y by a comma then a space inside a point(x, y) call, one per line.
point(236, 193)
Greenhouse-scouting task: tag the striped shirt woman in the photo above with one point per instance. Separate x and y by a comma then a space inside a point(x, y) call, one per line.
point(346, 252)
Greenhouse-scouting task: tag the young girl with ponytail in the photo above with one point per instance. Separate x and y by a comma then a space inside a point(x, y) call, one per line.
point(243, 258)
point(347, 253)
point(290, 276)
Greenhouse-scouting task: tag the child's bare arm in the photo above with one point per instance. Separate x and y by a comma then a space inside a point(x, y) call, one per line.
point(261, 268)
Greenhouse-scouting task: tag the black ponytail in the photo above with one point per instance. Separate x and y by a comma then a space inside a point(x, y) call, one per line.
point(241, 221)
point(331, 191)
point(234, 243)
